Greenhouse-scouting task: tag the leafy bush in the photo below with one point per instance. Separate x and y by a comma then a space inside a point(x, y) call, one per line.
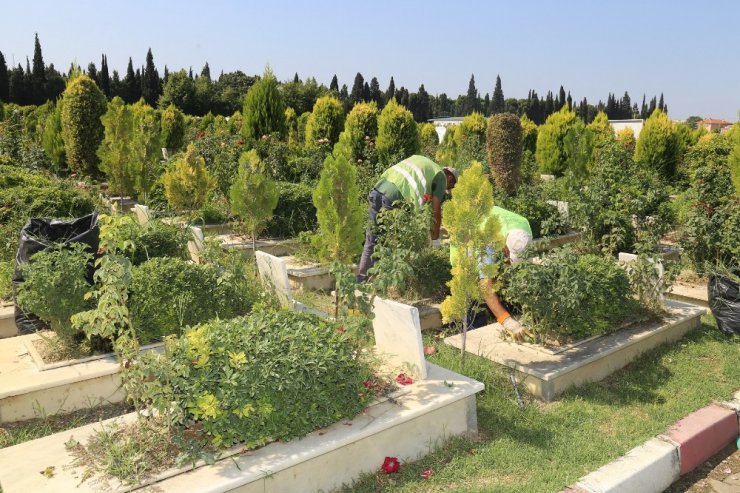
point(269, 376)
point(429, 140)
point(188, 184)
point(563, 144)
point(295, 211)
point(253, 195)
point(569, 296)
point(357, 141)
point(658, 146)
point(82, 130)
point(504, 147)
point(398, 135)
point(6, 276)
point(168, 294)
point(153, 239)
point(325, 122)
point(54, 287)
point(530, 202)
point(431, 272)
point(470, 143)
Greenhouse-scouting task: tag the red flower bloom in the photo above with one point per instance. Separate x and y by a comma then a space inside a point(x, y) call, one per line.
point(427, 197)
point(390, 465)
point(403, 379)
point(429, 350)
point(427, 473)
point(341, 329)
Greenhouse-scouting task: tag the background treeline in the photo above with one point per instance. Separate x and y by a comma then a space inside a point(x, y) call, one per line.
point(199, 93)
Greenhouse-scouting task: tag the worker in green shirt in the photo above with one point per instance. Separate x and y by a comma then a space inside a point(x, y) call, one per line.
point(416, 179)
point(517, 233)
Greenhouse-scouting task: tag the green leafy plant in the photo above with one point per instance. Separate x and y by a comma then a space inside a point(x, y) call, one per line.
point(294, 213)
point(82, 130)
point(529, 202)
point(325, 123)
point(188, 184)
point(398, 135)
point(563, 144)
point(658, 146)
point(504, 148)
point(115, 152)
point(569, 296)
point(54, 287)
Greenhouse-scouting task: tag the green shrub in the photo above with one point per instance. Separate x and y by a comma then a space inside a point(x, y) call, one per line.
point(270, 376)
point(504, 147)
point(530, 202)
point(658, 146)
point(82, 129)
point(431, 273)
point(54, 286)
point(325, 122)
point(470, 143)
point(398, 135)
point(6, 276)
point(569, 296)
point(188, 183)
point(263, 111)
point(563, 144)
point(168, 294)
point(295, 211)
point(155, 239)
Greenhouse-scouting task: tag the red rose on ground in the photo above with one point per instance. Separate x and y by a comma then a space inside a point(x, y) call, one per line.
point(427, 473)
point(429, 350)
point(390, 465)
point(427, 197)
point(403, 379)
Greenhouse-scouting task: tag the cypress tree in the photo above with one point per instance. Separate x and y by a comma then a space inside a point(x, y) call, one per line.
point(334, 85)
point(137, 86)
point(569, 100)
point(487, 105)
point(92, 71)
point(471, 99)
point(375, 93)
point(4, 80)
point(17, 86)
point(561, 99)
point(84, 104)
point(661, 103)
point(356, 95)
point(643, 108)
point(498, 104)
point(391, 92)
point(104, 77)
point(366, 92)
point(263, 111)
point(652, 107)
point(504, 150)
point(37, 74)
point(150, 81)
point(129, 83)
point(296, 80)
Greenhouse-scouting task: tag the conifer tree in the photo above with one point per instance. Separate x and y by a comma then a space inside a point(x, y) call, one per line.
point(602, 134)
point(357, 88)
point(263, 112)
point(504, 147)
point(172, 128)
point(661, 103)
point(472, 103)
point(92, 72)
point(658, 145)
point(472, 200)
point(4, 80)
point(82, 131)
point(37, 75)
point(104, 77)
point(360, 132)
point(563, 143)
point(188, 184)
point(115, 151)
point(129, 84)
point(253, 196)
point(146, 148)
point(733, 161)
point(626, 137)
point(398, 135)
point(150, 89)
point(498, 104)
point(334, 85)
point(375, 93)
point(390, 93)
point(325, 122)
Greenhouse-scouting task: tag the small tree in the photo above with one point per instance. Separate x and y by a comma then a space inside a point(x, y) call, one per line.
point(188, 184)
point(559, 146)
point(658, 146)
point(253, 195)
point(601, 132)
point(470, 142)
point(325, 122)
point(626, 137)
point(51, 139)
point(263, 113)
point(357, 141)
point(504, 145)
point(529, 134)
point(145, 147)
point(429, 139)
point(472, 199)
point(82, 130)
point(173, 128)
point(398, 136)
point(115, 150)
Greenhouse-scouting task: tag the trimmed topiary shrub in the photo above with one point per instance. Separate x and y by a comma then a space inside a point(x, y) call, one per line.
point(169, 294)
point(325, 122)
point(398, 135)
point(82, 129)
point(504, 146)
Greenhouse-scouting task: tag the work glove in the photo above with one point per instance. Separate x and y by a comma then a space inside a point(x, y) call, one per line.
point(514, 329)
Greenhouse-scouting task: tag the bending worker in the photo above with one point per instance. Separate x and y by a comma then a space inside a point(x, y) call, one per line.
point(517, 233)
point(416, 179)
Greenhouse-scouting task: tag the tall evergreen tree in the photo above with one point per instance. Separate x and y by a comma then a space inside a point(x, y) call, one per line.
point(375, 93)
point(37, 75)
point(498, 104)
point(104, 77)
point(334, 85)
point(17, 86)
point(643, 108)
point(472, 103)
point(4, 80)
point(150, 89)
point(129, 84)
point(569, 100)
point(652, 107)
point(92, 71)
point(391, 92)
point(625, 106)
point(165, 76)
point(366, 92)
point(561, 99)
point(661, 103)
point(486, 105)
point(296, 80)
point(355, 96)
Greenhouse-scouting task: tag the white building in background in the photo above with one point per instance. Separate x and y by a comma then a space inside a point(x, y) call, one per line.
point(441, 124)
point(634, 124)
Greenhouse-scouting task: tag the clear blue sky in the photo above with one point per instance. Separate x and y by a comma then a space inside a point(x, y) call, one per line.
point(592, 47)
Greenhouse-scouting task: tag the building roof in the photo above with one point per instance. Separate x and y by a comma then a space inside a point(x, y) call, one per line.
point(715, 121)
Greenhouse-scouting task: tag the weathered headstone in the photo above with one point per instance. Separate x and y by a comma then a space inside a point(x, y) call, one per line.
point(398, 336)
point(143, 215)
point(274, 275)
point(196, 243)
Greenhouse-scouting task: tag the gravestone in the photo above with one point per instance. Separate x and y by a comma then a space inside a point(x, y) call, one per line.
point(143, 215)
point(626, 258)
point(398, 337)
point(196, 244)
point(274, 276)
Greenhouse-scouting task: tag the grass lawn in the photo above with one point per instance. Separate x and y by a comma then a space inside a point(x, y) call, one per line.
point(545, 447)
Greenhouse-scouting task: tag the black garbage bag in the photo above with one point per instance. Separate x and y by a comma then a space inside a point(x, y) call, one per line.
point(724, 301)
point(41, 234)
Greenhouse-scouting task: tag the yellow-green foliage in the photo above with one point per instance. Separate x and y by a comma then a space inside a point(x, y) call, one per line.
point(470, 141)
point(325, 122)
point(398, 136)
point(51, 139)
point(472, 199)
point(447, 150)
point(602, 133)
point(529, 134)
point(172, 128)
point(360, 131)
point(340, 216)
point(563, 143)
point(264, 113)
point(188, 184)
point(82, 130)
point(626, 137)
point(146, 150)
point(115, 151)
point(291, 126)
point(733, 160)
point(658, 145)
point(429, 139)
point(253, 195)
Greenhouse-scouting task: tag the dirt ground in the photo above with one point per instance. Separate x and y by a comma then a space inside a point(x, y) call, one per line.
point(720, 474)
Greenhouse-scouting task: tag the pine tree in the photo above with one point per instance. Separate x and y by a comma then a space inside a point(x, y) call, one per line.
point(146, 148)
point(129, 84)
point(334, 85)
point(366, 92)
point(661, 103)
point(37, 75)
point(104, 77)
point(296, 80)
point(4, 80)
point(390, 93)
point(263, 112)
point(561, 99)
point(150, 90)
point(115, 149)
point(356, 95)
point(472, 103)
point(188, 184)
point(498, 104)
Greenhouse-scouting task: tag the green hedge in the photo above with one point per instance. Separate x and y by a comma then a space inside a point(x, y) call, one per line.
point(154, 239)
point(295, 211)
point(270, 376)
point(168, 294)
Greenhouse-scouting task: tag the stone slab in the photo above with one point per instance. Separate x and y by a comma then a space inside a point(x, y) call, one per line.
point(650, 468)
point(27, 392)
point(244, 245)
point(407, 427)
point(398, 337)
point(7, 322)
point(546, 375)
point(543, 244)
point(430, 316)
point(689, 293)
point(702, 434)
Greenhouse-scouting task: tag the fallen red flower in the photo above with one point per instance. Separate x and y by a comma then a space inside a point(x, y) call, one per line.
point(390, 465)
point(427, 473)
point(403, 379)
point(429, 350)
point(427, 197)
point(341, 329)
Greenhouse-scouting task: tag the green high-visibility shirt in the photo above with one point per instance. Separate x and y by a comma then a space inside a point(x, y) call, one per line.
point(508, 220)
point(411, 179)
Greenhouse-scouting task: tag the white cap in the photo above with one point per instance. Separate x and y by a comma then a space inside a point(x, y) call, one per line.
point(516, 241)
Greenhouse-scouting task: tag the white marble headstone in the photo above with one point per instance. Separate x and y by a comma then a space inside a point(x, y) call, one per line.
point(143, 215)
point(398, 337)
point(274, 275)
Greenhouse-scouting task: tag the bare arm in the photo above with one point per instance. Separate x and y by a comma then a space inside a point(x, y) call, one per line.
point(491, 298)
point(436, 216)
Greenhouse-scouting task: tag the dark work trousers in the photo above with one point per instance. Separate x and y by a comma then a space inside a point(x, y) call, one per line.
point(377, 202)
point(479, 315)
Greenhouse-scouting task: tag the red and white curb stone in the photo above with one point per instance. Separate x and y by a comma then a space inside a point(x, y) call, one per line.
point(656, 464)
